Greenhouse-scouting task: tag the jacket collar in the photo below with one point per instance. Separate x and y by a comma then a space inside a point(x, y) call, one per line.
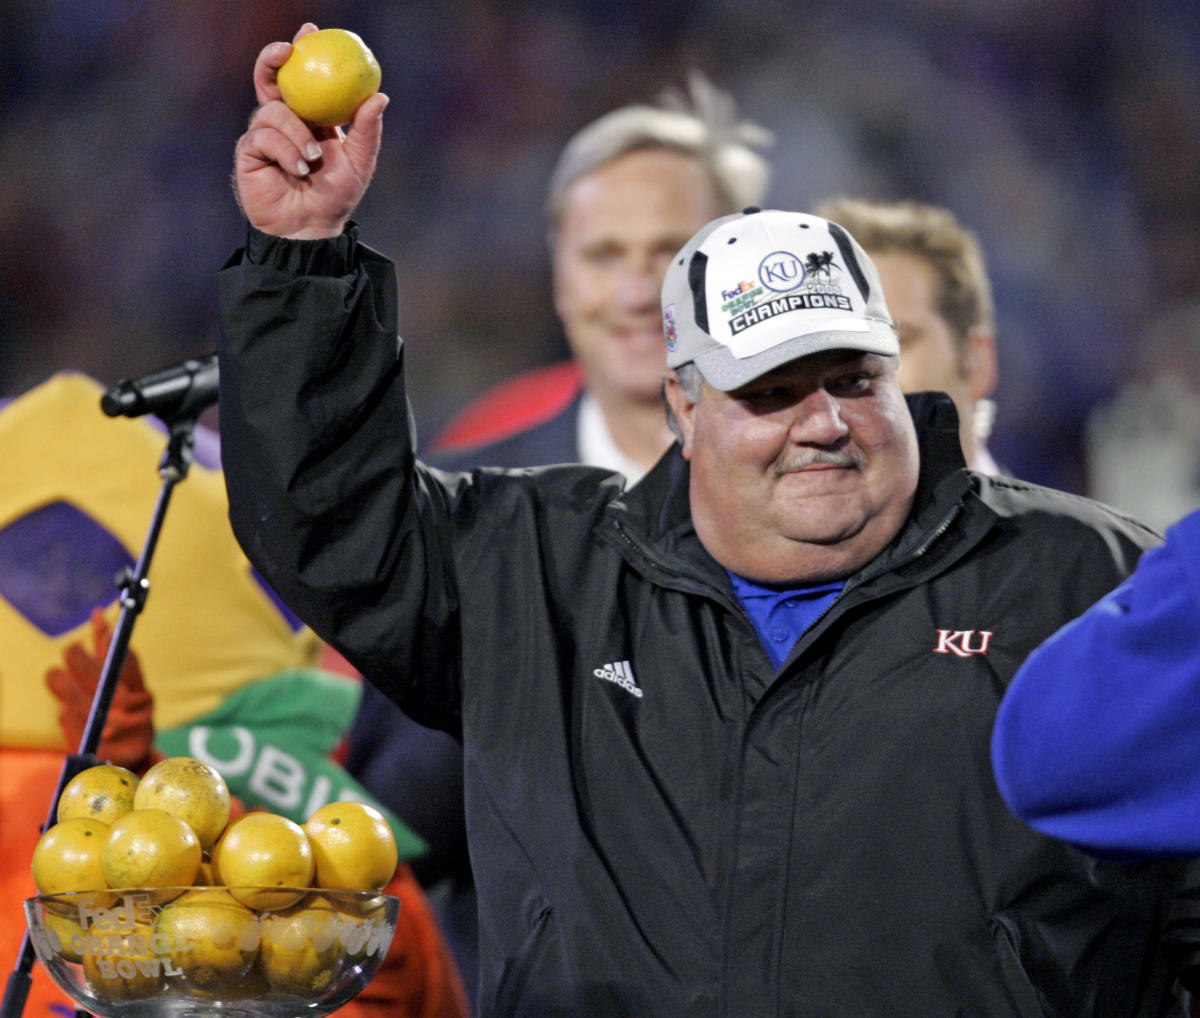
point(654, 517)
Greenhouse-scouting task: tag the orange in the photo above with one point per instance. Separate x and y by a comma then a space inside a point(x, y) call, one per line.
point(253, 984)
point(262, 851)
point(69, 856)
point(191, 790)
point(353, 846)
point(104, 792)
point(64, 932)
point(302, 947)
point(151, 848)
point(206, 875)
point(210, 869)
point(327, 76)
point(362, 924)
point(127, 967)
point(214, 937)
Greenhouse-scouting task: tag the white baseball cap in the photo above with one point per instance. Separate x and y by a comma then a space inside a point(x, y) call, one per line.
point(755, 290)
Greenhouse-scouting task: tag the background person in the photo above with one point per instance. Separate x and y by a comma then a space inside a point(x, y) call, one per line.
point(611, 656)
point(938, 292)
point(626, 193)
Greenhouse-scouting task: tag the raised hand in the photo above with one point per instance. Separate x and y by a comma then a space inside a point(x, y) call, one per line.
point(294, 180)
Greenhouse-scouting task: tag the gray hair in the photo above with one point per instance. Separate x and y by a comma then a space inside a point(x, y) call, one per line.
point(703, 124)
point(690, 381)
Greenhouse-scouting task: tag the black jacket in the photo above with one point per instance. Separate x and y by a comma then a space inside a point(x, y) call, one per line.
point(661, 823)
point(418, 772)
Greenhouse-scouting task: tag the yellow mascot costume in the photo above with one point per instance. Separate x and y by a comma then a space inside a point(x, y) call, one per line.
point(232, 673)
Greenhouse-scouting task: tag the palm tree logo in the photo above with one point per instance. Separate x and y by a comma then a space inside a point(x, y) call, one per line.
point(817, 265)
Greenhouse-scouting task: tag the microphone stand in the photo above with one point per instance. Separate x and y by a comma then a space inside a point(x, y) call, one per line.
point(135, 588)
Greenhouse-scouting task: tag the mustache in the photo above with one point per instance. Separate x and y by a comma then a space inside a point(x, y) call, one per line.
point(851, 458)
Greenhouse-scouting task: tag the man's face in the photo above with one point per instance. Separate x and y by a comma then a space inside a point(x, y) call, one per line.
point(620, 225)
point(805, 474)
point(932, 357)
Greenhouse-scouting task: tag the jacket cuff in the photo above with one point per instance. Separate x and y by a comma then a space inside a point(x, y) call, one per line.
point(332, 256)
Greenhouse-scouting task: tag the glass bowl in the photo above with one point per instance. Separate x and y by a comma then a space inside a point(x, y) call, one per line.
point(188, 952)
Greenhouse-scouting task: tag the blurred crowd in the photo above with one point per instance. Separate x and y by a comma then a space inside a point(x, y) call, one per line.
point(1065, 134)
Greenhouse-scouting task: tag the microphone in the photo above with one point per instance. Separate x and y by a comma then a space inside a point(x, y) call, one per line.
point(184, 389)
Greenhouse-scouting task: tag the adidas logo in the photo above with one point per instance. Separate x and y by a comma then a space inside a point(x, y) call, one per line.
point(620, 673)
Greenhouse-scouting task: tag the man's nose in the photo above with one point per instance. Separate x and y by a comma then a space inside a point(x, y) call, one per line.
point(818, 420)
point(641, 286)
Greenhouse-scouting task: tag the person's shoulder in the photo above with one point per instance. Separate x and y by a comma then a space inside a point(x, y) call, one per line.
point(547, 442)
point(514, 406)
point(1036, 506)
point(552, 439)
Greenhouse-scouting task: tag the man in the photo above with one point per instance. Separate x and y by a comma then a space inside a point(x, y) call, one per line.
point(726, 731)
point(933, 272)
point(626, 193)
point(1096, 739)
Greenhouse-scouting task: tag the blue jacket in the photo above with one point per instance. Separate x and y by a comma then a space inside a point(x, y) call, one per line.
point(1097, 741)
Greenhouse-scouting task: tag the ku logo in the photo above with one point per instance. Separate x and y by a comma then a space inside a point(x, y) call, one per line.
point(962, 642)
point(781, 271)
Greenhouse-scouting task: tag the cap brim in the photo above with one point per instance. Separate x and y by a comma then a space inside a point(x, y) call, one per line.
point(722, 370)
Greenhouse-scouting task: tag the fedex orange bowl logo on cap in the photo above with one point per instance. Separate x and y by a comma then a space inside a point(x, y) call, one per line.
point(669, 327)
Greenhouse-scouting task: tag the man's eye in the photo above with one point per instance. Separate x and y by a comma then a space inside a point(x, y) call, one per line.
point(600, 255)
point(766, 397)
point(860, 381)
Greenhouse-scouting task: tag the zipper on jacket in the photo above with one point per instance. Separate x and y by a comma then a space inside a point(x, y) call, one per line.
point(690, 582)
point(939, 530)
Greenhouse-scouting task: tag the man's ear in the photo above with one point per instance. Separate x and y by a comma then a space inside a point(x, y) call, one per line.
point(979, 364)
point(682, 408)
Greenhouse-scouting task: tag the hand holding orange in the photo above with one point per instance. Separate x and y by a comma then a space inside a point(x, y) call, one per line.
point(328, 75)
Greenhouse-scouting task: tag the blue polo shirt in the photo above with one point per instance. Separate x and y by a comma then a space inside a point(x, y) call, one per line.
point(781, 616)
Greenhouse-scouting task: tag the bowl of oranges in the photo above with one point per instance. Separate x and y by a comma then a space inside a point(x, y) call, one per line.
point(154, 902)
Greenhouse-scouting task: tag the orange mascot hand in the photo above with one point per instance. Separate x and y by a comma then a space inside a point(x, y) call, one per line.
point(128, 734)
